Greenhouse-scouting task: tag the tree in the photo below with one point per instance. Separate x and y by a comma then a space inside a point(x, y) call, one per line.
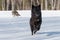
point(3, 4)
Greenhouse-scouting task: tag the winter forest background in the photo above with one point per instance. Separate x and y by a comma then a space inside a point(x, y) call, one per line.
point(18, 28)
point(26, 4)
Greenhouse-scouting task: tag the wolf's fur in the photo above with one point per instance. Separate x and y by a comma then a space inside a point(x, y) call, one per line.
point(36, 19)
point(15, 13)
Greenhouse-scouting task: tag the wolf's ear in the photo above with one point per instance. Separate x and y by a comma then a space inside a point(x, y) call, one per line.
point(39, 6)
point(32, 6)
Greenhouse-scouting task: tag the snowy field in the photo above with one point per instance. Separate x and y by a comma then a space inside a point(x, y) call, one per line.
point(27, 13)
point(17, 28)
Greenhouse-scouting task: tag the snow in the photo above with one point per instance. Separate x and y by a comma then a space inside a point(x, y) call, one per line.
point(8, 14)
point(27, 13)
point(17, 28)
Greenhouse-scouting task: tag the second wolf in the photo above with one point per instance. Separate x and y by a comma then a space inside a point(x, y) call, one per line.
point(36, 19)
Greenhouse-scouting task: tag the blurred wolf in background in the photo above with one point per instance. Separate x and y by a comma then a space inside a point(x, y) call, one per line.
point(15, 13)
point(36, 19)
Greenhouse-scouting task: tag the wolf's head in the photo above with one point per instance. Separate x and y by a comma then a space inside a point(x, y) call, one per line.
point(36, 8)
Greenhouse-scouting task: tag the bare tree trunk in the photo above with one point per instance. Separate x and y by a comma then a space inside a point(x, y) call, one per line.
point(18, 4)
point(45, 4)
point(52, 7)
point(42, 4)
point(9, 5)
point(58, 4)
point(23, 4)
point(55, 4)
point(26, 4)
point(3, 4)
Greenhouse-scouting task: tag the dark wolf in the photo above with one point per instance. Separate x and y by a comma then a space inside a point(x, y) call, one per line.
point(36, 19)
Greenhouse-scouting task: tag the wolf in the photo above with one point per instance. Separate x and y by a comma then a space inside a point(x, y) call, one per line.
point(15, 13)
point(36, 19)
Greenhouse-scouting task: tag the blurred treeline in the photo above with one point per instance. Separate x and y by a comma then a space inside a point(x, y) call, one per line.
point(26, 4)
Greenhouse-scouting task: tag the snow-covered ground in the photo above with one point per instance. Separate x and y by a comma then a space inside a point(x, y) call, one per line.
point(27, 13)
point(17, 28)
